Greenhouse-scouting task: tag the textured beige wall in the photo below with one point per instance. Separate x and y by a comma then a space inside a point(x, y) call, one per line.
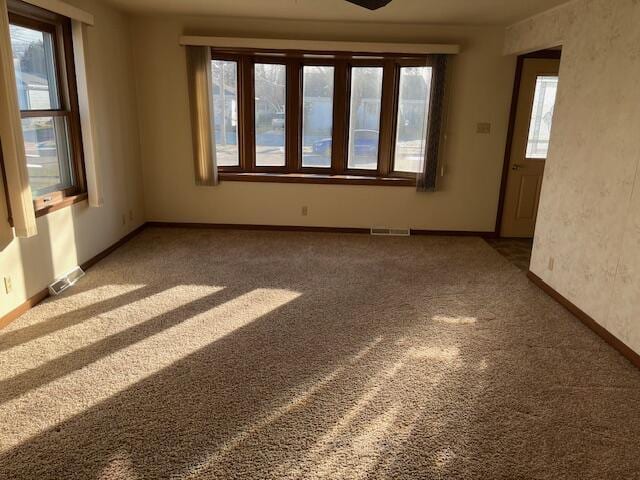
point(71, 236)
point(589, 216)
point(480, 92)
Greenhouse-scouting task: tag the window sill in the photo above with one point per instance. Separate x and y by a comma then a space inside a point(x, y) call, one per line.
point(317, 178)
point(65, 202)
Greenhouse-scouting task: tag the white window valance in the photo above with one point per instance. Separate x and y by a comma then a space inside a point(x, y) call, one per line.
point(320, 46)
point(64, 9)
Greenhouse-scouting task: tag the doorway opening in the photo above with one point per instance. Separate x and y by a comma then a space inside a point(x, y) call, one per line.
point(530, 124)
point(536, 84)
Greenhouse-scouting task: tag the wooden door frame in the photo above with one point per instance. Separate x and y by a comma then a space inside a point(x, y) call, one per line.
point(550, 54)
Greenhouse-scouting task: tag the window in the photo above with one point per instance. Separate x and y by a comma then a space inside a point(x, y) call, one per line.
point(317, 116)
point(43, 62)
point(413, 118)
point(364, 118)
point(305, 117)
point(544, 101)
point(225, 108)
point(270, 114)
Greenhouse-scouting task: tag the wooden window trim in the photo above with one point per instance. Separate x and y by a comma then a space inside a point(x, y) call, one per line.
point(59, 27)
point(338, 173)
point(66, 201)
point(317, 178)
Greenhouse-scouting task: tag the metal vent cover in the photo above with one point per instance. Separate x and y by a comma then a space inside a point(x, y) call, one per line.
point(66, 281)
point(393, 232)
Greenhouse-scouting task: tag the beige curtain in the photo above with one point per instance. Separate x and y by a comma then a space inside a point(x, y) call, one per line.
point(6, 231)
point(88, 126)
point(13, 153)
point(201, 100)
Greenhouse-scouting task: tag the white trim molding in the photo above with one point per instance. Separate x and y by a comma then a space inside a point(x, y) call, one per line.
point(64, 9)
point(320, 46)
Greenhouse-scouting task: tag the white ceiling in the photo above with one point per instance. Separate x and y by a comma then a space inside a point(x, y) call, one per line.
point(452, 12)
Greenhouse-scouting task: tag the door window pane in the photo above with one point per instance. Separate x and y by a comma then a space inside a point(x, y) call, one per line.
point(317, 116)
point(225, 112)
point(364, 123)
point(48, 154)
point(33, 61)
point(413, 118)
point(270, 114)
point(544, 101)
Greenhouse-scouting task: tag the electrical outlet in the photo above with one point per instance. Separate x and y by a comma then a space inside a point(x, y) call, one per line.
point(305, 211)
point(552, 263)
point(8, 285)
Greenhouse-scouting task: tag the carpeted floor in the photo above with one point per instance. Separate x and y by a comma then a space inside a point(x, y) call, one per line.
point(195, 354)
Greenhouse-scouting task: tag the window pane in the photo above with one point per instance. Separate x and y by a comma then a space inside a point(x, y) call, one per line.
point(34, 65)
point(317, 116)
point(364, 124)
point(544, 102)
point(413, 118)
point(270, 122)
point(225, 112)
point(48, 154)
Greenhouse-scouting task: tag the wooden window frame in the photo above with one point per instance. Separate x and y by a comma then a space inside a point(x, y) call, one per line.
point(29, 16)
point(289, 155)
point(380, 170)
point(338, 172)
point(430, 108)
point(334, 167)
point(240, 114)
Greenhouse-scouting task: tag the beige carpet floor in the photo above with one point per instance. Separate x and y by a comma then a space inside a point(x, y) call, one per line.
point(195, 354)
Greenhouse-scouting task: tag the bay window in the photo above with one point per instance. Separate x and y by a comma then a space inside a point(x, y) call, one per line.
point(325, 118)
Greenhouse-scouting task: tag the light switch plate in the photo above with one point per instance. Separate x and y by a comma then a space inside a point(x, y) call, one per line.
point(483, 128)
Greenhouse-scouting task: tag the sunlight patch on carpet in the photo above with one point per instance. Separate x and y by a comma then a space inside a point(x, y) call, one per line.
point(86, 332)
point(435, 353)
point(31, 413)
point(455, 320)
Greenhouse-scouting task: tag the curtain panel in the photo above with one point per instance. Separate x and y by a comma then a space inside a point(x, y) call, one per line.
point(13, 152)
point(201, 103)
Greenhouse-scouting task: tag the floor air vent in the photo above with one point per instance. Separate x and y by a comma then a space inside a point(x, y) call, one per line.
point(393, 232)
point(60, 285)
